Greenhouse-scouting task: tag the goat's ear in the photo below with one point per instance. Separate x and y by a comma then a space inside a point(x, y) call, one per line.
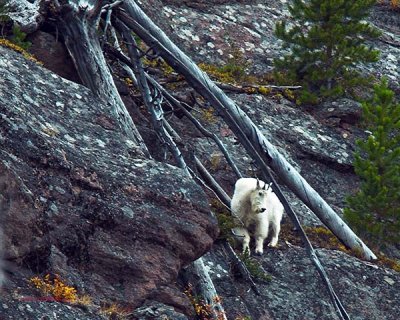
point(258, 184)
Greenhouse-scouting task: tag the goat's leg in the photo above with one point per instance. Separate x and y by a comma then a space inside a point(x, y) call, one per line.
point(260, 235)
point(245, 238)
point(259, 245)
point(276, 228)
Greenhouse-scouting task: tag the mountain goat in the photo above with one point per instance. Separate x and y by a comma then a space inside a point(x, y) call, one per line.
point(258, 209)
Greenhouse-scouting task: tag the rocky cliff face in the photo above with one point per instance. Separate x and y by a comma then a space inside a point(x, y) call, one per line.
point(80, 200)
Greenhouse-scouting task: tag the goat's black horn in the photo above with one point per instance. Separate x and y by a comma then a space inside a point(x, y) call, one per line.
point(258, 184)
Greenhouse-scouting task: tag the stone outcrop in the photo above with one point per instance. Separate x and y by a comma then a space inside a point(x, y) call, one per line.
point(80, 200)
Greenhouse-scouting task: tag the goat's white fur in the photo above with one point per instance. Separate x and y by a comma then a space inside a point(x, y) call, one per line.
point(256, 206)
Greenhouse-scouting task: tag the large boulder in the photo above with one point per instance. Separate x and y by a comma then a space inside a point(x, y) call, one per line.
point(80, 200)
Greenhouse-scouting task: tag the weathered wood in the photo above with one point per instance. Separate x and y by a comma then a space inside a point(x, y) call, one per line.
point(253, 89)
point(196, 274)
point(247, 132)
point(151, 101)
point(210, 181)
point(78, 26)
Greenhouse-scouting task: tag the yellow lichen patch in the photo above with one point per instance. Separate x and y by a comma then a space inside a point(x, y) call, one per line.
point(289, 94)
point(264, 90)
point(129, 82)
point(395, 4)
point(8, 44)
point(55, 287)
point(208, 115)
point(250, 90)
point(229, 73)
point(390, 263)
point(159, 64)
point(323, 237)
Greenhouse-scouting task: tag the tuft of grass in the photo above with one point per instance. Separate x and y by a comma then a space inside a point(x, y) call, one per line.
point(324, 238)
point(254, 267)
point(115, 312)
point(388, 262)
point(160, 64)
point(229, 73)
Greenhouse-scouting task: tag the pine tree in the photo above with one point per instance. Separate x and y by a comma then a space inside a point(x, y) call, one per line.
point(374, 212)
point(327, 41)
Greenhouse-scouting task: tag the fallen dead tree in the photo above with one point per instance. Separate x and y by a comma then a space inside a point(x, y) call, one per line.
point(260, 149)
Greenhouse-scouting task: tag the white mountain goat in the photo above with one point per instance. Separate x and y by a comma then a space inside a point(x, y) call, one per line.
point(256, 207)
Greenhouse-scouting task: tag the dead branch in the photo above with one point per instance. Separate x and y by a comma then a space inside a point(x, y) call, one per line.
point(252, 88)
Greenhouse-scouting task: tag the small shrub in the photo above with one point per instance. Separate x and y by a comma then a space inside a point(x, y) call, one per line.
point(203, 310)
point(55, 287)
point(374, 211)
point(233, 72)
point(19, 38)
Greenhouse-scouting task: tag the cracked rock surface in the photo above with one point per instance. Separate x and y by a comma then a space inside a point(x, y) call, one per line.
point(80, 200)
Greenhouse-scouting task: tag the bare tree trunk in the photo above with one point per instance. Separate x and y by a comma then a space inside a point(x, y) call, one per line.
point(246, 131)
point(197, 274)
point(78, 25)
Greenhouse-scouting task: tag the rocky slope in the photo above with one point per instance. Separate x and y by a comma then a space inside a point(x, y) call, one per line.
point(81, 201)
point(119, 227)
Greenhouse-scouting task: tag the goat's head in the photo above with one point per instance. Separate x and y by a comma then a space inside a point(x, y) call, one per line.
point(258, 197)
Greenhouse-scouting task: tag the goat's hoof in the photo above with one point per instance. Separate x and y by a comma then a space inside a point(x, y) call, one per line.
point(259, 253)
point(272, 244)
